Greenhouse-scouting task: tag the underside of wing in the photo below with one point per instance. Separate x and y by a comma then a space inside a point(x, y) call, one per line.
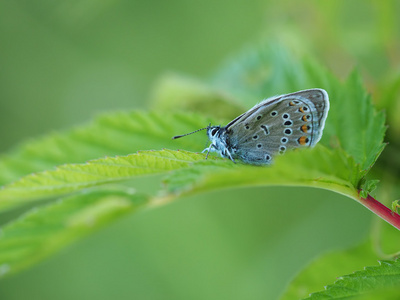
point(277, 124)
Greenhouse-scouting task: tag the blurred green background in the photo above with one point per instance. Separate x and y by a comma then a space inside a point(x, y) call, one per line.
point(63, 62)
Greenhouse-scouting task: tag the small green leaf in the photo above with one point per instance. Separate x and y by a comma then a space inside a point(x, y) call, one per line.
point(368, 187)
point(44, 230)
point(386, 275)
point(395, 205)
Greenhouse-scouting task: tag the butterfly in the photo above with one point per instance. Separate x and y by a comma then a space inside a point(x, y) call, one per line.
point(271, 127)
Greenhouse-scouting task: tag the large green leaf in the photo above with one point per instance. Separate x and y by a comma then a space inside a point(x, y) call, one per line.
point(319, 167)
point(113, 134)
point(73, 177)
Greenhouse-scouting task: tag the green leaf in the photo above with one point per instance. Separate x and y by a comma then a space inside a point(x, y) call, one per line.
point(73, 177)
point(318, 167)
point(389, 100)
point(359, 129)
point(386, 275)
point(109, 135)
point(42, 231)
point(368, 187)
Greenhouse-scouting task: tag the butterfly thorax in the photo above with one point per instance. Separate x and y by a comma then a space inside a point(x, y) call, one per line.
point(219, 141)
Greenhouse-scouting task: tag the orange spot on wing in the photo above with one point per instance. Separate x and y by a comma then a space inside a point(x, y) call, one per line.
point(304, 118)
point(301, 110)
point(302, 140)
point(291, 103)
point(304, 128)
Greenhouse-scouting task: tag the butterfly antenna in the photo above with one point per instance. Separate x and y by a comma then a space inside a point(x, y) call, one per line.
point(179, 136)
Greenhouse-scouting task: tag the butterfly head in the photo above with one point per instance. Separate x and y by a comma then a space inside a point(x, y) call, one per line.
point(213, 132)
point(218, 139)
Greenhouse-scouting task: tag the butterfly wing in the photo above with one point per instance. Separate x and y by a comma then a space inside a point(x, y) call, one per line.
point(277, 124)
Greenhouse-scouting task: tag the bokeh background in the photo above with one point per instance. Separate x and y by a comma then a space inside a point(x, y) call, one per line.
point(61, 63)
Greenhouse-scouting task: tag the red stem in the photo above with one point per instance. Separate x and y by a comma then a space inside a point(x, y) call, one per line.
point(381, 210)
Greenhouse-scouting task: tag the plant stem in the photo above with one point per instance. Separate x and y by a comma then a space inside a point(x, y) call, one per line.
point(381, 210)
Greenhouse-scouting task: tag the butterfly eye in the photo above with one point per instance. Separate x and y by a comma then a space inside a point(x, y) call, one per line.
point(214, 131)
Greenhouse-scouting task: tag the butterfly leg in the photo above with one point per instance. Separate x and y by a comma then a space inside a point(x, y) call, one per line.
point(227, 153)
point(209, 149)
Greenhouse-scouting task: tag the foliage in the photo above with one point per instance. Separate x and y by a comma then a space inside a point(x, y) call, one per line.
point(75, 166)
